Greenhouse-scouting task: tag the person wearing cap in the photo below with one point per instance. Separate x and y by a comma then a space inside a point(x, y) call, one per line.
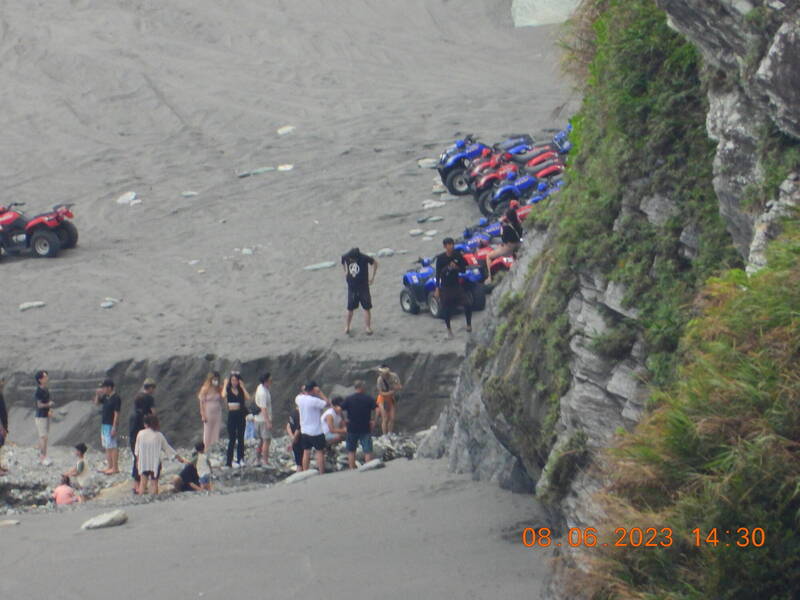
point(106, 397)
point(311, 403)
point(510, 236)
point(356, 265)
point(449, 265)
point(143, 404)
point(388, 385)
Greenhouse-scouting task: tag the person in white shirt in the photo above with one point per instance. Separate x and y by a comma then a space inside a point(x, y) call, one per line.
point(310, 405)
point(263, 419)
point(333, 425)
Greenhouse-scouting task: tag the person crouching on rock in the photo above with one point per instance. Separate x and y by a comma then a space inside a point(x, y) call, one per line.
point(449, 264)
point(150, 443)
point(333, 425)
point(511, 238)
point(236, 396)
point(356, 267)
point(64, 494)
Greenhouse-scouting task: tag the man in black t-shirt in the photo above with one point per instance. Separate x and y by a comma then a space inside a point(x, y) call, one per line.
point(143, 404)
point(43, 405)
point(356, 267)
point(112, 405)
point(360, 409)
point(295, 441)
point(449, 264)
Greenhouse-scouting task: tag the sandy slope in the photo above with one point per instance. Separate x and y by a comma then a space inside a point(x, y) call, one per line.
point(408, 531)
point(104, 96)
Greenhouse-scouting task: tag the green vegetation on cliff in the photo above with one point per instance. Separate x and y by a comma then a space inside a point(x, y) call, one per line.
point(640, 134)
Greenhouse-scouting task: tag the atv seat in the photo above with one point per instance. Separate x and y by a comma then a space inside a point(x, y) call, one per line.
point(521, 159)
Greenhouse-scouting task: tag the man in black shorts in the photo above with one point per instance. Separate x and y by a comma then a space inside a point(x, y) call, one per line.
point(449, 291)
point(310, 404)
point(355, 267)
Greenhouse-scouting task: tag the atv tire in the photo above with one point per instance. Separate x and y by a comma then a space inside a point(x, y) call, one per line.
point(435, 306)
point(457, 182)
point(408, 303)
point(67, 235)
point(45, 243)
point(478, 294)
point(484, 199)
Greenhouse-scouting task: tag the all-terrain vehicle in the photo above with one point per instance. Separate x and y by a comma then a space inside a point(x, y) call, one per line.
point(44, 235)
point(493, 201)
point(419, 287)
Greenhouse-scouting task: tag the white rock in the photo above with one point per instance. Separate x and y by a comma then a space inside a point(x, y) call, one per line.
point(135, 201)
point(193, 262)
point(435, 219)
point(29, 305)
point(189, 194)
point(8, 523)
point(106, 305)
point(110, 519)
point(126, 198)
point(427, 239)
point(285, 167)
point(243, 174)
point(110, 299)
point(431, 232)
point(285, 129)
point(301, 476)
point(427, 163)
point(375, 463)
point(429, 204)
point(201, 271)
point(319, 266)
point(415, 232)
point(247, 251)
point(384, 252)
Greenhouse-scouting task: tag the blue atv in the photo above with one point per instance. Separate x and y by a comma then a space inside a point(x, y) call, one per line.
point(456, 160)
point(419, 287)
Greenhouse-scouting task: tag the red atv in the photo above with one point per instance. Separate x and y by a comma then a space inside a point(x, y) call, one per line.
point(478, 259)
point(541, 166)
point(45, 234)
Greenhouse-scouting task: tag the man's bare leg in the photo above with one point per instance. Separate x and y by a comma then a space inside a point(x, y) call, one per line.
point(348, 321)
point(306, 459)
point(351, 460)
point(368, 321)
point(320, 461)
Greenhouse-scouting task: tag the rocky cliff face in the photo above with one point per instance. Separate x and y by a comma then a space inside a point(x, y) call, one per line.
point(750, 52)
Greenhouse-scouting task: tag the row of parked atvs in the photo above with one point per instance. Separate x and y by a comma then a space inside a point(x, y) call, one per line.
point(515, 173)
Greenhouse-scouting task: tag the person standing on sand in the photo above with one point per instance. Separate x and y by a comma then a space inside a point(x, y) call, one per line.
point(263, 420)
point(311, 404)
point(143, 404)
point(449, 291)
point(43, 405)
point(360, 423)
point(388, 386)
point(210, 398)
point(356, 267)
point(3, 426)
point(235, 394)
point(112, 404)
point(150, 443)
point(294, 433)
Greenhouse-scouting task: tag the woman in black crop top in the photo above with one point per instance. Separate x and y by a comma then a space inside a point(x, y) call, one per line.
point(511, 237)
point(236, 396)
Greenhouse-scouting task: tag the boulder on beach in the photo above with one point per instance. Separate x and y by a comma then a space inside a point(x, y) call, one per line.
point(109, 519)
point(301, 476)
point(375, 463)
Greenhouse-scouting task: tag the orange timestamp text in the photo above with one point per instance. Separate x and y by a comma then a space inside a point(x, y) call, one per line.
point(643, 537)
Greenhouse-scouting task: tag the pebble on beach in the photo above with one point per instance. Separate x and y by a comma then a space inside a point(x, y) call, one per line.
point(109, 519)
point(29, 305)
point(427, 163)
point(286, 129)
point(415, 232)
point(319, 266)
point(126, 198)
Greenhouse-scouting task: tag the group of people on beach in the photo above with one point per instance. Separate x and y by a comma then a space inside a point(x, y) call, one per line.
point(315, 424)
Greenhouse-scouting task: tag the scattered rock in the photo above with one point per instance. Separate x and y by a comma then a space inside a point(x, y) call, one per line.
point(201, 271)
point(110, 299)
point(189, 194)
point(429, 204)
point(415, 232)
point(285, 167)
point(106, 304)
point(8, 523)
point(385, 252)
point(126, 198)
point(301, 476)
point(193, 262)
point(247, 251)
point(435, 219)
point(427, 163)
point(29, 305)
point(431, 232)
point(285, 129)
point(243, 174)
point(261, 170)
point(135, 201)
point(438, 188)
point(110, 519)
point(319, 266)
point(427, 239)
point(375, 463)
point(423, 219)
